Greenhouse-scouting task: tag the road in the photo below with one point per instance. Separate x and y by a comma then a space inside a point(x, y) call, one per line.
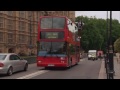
point(86, 69)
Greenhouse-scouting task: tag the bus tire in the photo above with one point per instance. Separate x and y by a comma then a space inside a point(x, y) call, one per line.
point(77, 61)
point(69, 63)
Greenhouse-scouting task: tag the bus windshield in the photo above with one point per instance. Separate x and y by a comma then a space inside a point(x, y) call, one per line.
point(92, 53)
point(52, 48)
point(53, 23)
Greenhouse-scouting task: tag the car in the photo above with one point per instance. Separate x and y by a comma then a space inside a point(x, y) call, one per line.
point(11, 62)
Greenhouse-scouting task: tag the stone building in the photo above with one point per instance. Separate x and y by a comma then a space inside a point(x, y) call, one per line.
point(18, 27)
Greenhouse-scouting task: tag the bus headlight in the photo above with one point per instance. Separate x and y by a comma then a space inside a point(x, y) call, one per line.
point(62, 58)
point(39, 61)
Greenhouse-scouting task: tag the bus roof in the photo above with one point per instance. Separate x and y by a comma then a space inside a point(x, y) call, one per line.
point(57, 16)
point(53, 16)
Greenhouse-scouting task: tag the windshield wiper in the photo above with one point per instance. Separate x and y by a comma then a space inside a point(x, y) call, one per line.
point(45, 55)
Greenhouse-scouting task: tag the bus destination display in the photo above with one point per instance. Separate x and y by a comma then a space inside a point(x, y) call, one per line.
point(51, 35)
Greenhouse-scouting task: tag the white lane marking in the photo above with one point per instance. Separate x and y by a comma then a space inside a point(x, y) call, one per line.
point(102, 71)
point(82, 59)
point(33, 74)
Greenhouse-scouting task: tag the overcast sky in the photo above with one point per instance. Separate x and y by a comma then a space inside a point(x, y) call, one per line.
point(98, 14)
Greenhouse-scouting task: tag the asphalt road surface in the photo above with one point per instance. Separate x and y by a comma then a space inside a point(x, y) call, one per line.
point(86, 69)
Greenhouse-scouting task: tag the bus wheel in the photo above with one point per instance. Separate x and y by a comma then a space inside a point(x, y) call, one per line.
point(46, 68)
point(77, 61)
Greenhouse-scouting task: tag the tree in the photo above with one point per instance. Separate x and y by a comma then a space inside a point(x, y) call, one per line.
point(117, 45)
point(93, 35)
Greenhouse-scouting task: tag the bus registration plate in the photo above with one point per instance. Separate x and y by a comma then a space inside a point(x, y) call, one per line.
point(51, 65)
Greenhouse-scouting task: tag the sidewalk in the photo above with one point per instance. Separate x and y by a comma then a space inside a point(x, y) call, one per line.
point(102, 73)
point(117, 69)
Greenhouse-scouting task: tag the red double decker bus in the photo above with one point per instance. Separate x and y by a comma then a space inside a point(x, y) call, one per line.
point(57, 45)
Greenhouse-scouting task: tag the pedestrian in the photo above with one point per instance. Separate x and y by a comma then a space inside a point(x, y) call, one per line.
point(100, 57)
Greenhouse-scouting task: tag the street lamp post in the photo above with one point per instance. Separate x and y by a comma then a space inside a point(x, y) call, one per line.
point(107, 49)
point(80, 27)
point(111, 65)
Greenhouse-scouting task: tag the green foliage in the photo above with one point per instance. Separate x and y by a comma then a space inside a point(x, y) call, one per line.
point(117, 45)
point(94, 33)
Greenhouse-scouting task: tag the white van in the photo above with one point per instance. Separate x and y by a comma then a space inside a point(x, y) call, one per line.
point(92, 55)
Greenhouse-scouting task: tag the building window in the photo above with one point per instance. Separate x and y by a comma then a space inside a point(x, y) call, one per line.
point(1, 36)
point(22, 38)
point(10, 13)
point(11, 38)
point(36, 16)
point(30, 27)
point(30, 15)
point(30, 40)
point(64, 13)
point(22, 14)
point(1, 25)
point(67, 13)
point(1, 22)
point(57, 12)
point(50, 13)
point(61, 13)
point(22, 26)
point(1, 11)
point(41, 13)
point(10, 24)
